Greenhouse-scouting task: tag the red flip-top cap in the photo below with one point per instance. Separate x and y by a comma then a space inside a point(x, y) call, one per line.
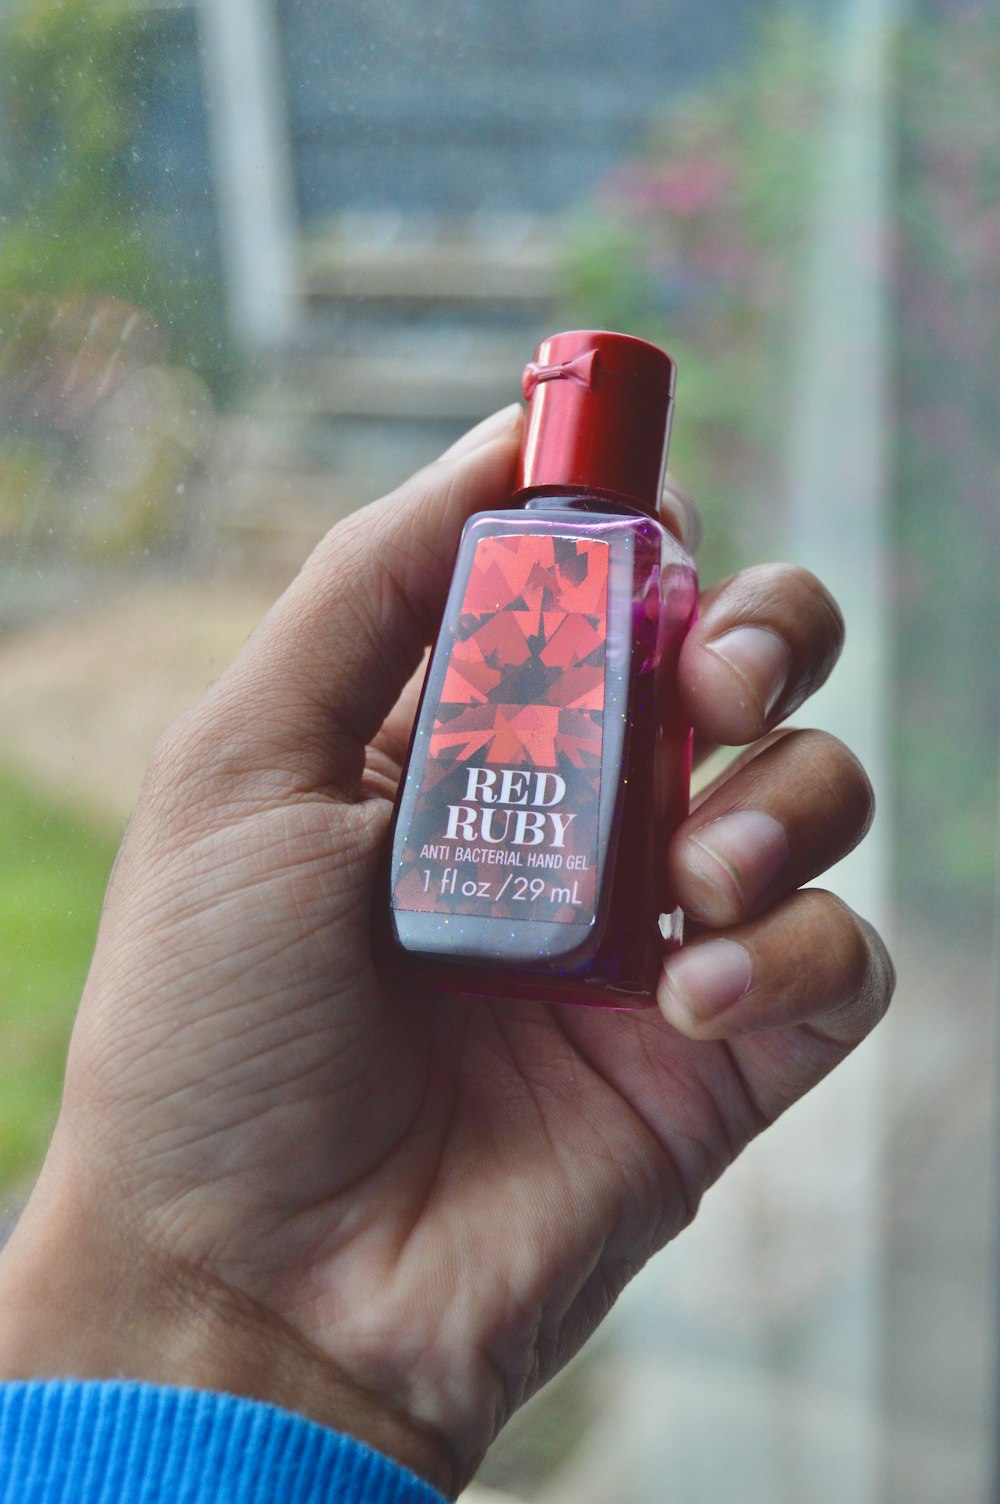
point(599, 408)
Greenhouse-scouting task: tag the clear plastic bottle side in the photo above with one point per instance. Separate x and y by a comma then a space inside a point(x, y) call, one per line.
point(624, 770)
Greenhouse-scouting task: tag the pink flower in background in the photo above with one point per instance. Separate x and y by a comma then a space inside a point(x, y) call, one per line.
point(684, 188)
point(691, 187)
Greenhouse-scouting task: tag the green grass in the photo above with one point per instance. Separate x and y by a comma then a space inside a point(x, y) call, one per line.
point(54, 865)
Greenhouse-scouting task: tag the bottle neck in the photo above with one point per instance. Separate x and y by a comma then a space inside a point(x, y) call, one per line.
point(556, 498)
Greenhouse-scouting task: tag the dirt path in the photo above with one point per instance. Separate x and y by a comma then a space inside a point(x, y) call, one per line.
point(84, 698)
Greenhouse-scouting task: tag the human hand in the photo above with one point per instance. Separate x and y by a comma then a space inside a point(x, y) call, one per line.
point(278, 1173)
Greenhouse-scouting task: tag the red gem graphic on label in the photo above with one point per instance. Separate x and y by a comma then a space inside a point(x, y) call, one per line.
point(504, 824)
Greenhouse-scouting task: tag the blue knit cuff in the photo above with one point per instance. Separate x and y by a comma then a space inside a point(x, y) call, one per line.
point(123, 1443)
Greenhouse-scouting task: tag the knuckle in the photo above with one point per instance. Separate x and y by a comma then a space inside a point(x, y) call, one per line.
point(861, 975)
point(806, 581)
point(170, 755)
point(846, 762)
point(337, 551)
point(850, 949)
point(181, 762)
point(774, 578)
point(792, 601)
point(813, 594)
point(855, 787)
point(756, 589)
point(834, 771)
point(882, 972)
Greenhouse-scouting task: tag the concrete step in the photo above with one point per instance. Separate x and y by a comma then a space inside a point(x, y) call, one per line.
point(386, 258)
point(417, 328)
point(405, 387)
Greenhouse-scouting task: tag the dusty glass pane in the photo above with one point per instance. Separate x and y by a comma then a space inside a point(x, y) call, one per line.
point(259, 259)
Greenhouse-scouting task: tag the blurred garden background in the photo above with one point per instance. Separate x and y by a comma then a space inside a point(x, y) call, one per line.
point(261, 258)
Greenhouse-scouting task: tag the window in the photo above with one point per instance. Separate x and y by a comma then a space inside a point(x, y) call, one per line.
point(261, 258)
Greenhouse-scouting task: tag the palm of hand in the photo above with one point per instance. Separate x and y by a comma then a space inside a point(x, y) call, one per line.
point(442, 1196)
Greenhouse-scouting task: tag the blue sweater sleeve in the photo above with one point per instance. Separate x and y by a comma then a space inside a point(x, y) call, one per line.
point(75, 1442)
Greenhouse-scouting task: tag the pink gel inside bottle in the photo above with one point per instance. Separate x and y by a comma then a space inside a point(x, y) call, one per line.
point(550, 759)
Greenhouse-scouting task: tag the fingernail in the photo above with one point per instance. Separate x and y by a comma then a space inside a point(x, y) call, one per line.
point(760, 657)
point(490, 428)
point(704, 979)
point(745, 850)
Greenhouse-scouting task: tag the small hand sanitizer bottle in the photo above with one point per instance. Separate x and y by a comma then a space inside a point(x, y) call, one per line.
point(551, 756)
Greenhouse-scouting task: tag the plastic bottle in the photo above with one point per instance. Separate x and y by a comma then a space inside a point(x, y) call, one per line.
point(550, 758)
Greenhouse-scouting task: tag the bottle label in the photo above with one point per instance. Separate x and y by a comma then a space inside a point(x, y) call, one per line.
point(503, 822)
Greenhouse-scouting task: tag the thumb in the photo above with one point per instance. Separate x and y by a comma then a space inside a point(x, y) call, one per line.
point(324, 668)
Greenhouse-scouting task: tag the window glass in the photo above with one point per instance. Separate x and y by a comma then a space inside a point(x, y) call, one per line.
point(259, 259)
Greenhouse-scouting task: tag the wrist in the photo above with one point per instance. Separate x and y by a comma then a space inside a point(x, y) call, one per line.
point(87, 1303)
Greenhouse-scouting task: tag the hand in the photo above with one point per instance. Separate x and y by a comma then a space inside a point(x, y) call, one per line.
point(274, 1172)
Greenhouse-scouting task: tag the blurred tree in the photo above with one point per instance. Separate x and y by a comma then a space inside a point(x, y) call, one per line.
point(697, 244)
point(948, 448)
point(70, 223)
point(88, 298)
